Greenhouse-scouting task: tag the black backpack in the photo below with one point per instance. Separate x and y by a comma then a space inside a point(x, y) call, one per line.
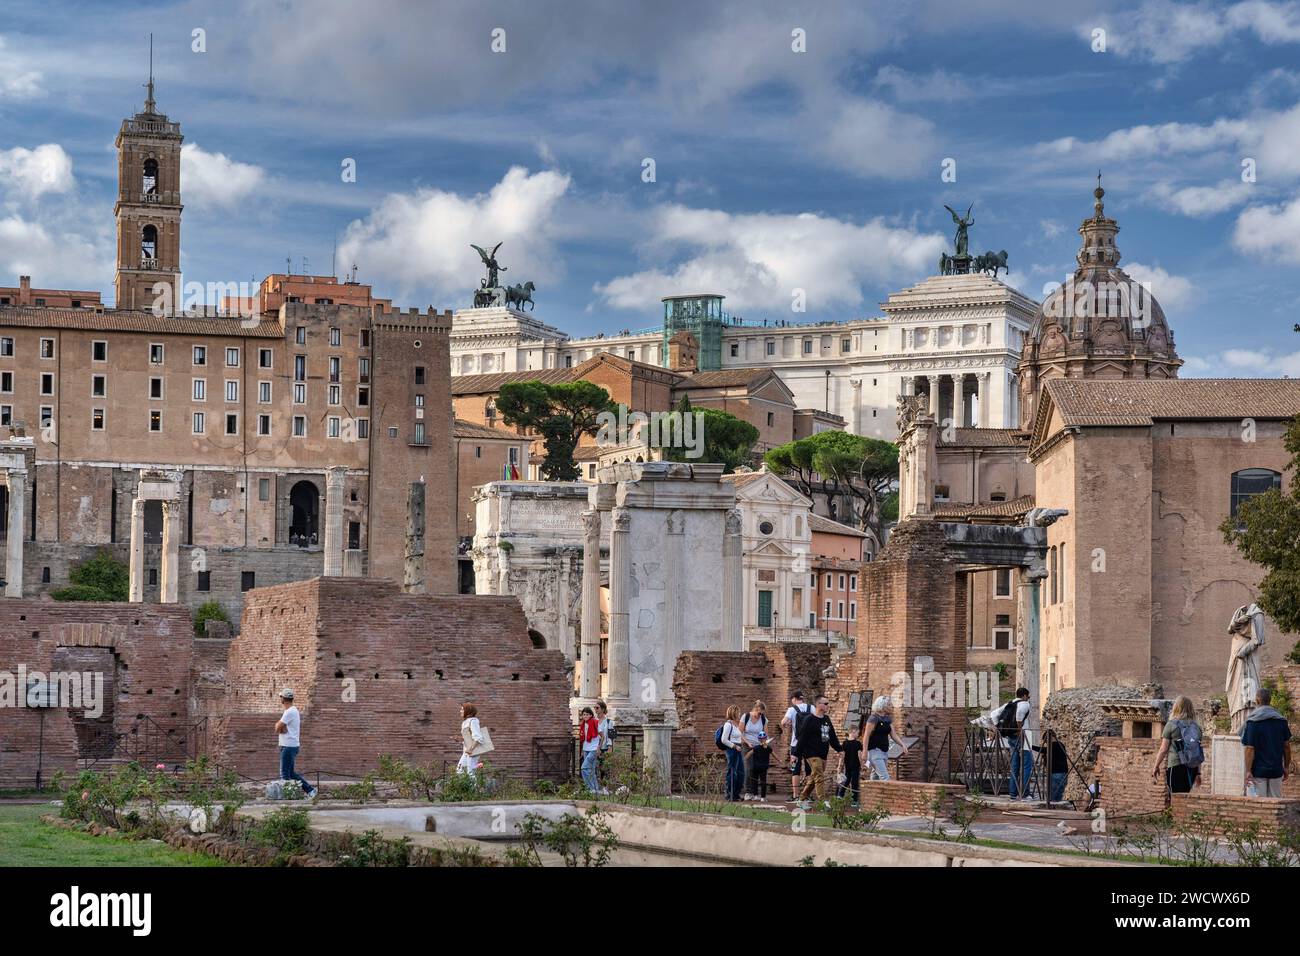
point(1008, 726)
point(717, 737)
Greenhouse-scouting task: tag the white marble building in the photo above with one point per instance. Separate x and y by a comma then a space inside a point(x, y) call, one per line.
point(960, 334)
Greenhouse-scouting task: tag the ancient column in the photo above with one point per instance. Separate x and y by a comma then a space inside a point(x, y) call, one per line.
point(985, 396)
point(1027, 643)
point(857, 405)
point(413, 569)
point(934, 396)
point(169, 573)
point(733, 583)
point(137, 550)
point(335, 480)
point(590, 687)
point(674, 592)
point(14, 544)
point(620, 571)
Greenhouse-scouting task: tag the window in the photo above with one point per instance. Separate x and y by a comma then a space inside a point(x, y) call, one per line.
point(419, 375)
point(6, 381)
point(232, 358)
point(47, 348)
point(200, 355)
point(735, 349)
point(1002, 620)
point(568, 361)
point(771, 347)
point(205, 581)
point(6, 414)
point(334, 395)
point(419, 434)
point(363, 370)
point(299, 393)
point(591, 469)
point(149, 177)
point(264, 393)
point(1002, 638)
point(198, 423)
point(232, 423)
point(155, 420)
point(828, 610)
point(148, 246)
point(99, 351)
point(155, 354)
point(300, 368)
point(47, 383)
point(363, 428)
point(7, 346)
point(332, 427)
point(97, 419)
point(1052, 556)
point(392, 431)
point(247, 580)
point(771, 419)
point(839, 610)
point(478, 449)
point(263, 358)
point(200, 393)
point(47, 415)
point(1003, 584)
point(807, 346)
point(765, 527)
point(155, 388)
point(363, 396)
point(264, 489)
point(364, 339)
point(335, 338)
point(1250, 482)
point(232, 390)
point(853, 582)
point(300, 335)
point(299, 426)
point(98, 385)
point(419, 401)
point(853, 610)
point(846, 345)
point(829, 579)
point(334, 368)
point(264, 424)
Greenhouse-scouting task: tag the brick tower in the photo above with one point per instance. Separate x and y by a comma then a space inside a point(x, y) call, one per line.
point(148, 207)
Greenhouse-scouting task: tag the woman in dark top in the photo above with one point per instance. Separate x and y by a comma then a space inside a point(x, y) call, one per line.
point(879, 730)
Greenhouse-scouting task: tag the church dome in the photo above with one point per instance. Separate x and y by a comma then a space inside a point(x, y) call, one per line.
point(1101, 323)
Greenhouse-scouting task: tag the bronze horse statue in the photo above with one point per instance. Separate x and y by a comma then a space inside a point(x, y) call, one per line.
point(518, 295)
point(992, 261)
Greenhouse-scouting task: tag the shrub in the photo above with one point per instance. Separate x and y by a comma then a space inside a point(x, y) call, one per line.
point(373, 849)
point(579, 839)
point(103, 798)
point(208, 611)
point(102, 578)
point(285, 831)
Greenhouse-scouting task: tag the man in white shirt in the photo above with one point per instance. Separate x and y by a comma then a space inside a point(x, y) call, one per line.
point(289, 728)
point(798, 767)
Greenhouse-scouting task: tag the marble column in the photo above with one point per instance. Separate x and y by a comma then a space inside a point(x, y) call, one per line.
point(590, 686)
point(985, 397)
point(17, 526)
point(137, 550)
point(620, 572)
point(857, 405)
point(169, 573)
point(674, 591)
point(335, 480)
point(1027, 635)
point(934, 396)
point(733, 586)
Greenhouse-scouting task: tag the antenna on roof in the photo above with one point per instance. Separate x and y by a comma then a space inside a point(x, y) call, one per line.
point(305, 271)
point(288, 265)
point(148, 100)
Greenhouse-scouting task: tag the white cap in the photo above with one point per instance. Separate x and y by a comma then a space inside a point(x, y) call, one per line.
point(286, 694)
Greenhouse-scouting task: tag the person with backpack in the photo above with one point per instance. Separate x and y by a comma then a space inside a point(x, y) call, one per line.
point(758, 751)
point(605, 724)
point(793, 713)
point(731, 738)
point(879, 730)
point(1011, 727)
point(1180, 746)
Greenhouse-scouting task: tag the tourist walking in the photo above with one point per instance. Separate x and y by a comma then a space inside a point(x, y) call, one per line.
point(1011, 725)
point(605, 723)
point(816, 740)
point(852, 767)
point(1181, 752)
point(289, 728)
point(758, 751)
point(793, 713)
point(589, 734)
point(731, 737)
point(1267, 741)
point(475, 741)
point(879, 730)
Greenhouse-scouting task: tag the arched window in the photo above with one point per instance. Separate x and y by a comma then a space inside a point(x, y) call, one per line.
point(149, 242)
point(304, 500)
point(149, 181)
point(1251, 482)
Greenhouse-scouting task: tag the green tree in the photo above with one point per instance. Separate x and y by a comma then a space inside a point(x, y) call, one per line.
point(102, 578)
point(560, 414)
point(208, 611)
point(1266, 530)
point(726, 438)
point(835, 463)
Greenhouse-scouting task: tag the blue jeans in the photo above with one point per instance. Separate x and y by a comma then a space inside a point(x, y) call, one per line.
point(735, 773)
point(287, 757)
point(589, 758)
point(1058, 786)
point(1022, 768)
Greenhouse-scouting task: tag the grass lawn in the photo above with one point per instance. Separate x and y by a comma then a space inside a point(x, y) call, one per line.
point(26, 841)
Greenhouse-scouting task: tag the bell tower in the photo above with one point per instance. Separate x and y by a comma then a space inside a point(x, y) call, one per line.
point(148, 207)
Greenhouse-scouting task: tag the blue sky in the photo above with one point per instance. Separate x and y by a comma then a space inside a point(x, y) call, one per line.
point(775, 170)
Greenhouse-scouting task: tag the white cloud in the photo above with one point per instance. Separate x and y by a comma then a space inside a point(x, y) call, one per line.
point(1198, 201)
point(1168, 32)
point(873, 139)
point(421, 240)
point(215, 179)
point(1140, 141)
point(758, 260)
point(1171, 291)
point(1262, 362)
point(28, 173)
point(53, 259)
point(1051, 228)
point(1270, 231)
point(16, 81)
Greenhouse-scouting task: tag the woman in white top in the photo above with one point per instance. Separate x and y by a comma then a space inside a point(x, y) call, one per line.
point(733, 740)
point(472, 735)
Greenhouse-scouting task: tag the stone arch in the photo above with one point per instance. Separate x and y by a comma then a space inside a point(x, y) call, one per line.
point(304, 514)
point(539, 641)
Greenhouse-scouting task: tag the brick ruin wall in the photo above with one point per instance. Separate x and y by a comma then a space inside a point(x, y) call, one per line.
point(378, 671)
point(1223, 814)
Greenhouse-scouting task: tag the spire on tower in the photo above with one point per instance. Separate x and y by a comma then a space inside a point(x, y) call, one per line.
point(149, 106)
point(1099, 193)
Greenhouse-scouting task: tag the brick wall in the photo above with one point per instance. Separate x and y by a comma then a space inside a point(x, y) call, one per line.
point(378, 671)
point(1124, 774)
point(1223, 813)
point(908, 798)
point(142, 651)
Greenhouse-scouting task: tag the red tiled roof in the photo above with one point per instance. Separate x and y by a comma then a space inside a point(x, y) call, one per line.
point(1093, 402)
point(827, 526)
point(1015, 508)
point(464, 429)
point(128, 320)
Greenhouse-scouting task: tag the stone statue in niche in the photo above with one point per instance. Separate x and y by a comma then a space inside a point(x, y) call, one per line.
point(1246, 630)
